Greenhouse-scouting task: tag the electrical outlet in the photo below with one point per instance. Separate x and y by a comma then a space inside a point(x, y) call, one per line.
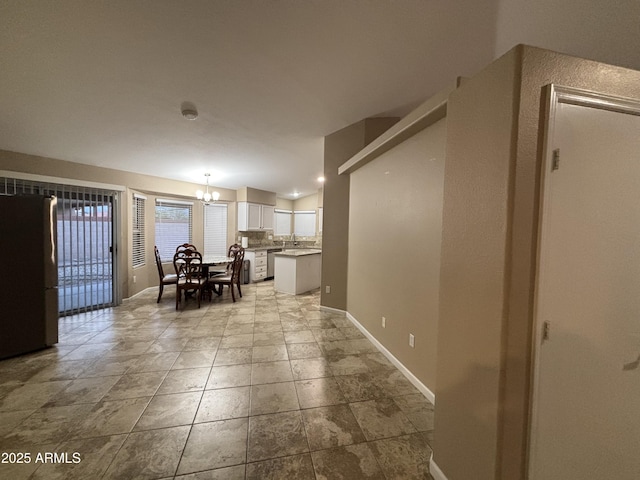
point(384, 322)
point(134, 279)
point(412, 340)
point(327, 289)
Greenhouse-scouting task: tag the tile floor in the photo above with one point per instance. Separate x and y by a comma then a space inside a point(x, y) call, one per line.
point(270, 387)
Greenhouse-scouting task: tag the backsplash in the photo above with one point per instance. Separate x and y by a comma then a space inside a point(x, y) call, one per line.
point(261, 239)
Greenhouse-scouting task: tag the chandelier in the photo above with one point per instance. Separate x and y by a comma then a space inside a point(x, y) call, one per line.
point(205, 197)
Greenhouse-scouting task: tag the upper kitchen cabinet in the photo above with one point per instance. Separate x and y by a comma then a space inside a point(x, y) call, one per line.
point(253, 216)
point(256, 209)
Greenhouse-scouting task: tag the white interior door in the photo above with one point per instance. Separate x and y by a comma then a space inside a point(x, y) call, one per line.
point(586, 412)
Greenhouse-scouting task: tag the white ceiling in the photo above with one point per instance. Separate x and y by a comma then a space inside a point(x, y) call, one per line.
point(102, 83)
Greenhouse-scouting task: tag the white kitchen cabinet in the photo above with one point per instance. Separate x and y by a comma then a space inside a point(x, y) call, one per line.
point(257, 265)
point(254, 216)
point(268, 216)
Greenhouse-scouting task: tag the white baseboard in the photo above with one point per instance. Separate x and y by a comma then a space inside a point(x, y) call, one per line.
point(405, 371)
point(125, 300)
point(333, 310)
point(435, 471)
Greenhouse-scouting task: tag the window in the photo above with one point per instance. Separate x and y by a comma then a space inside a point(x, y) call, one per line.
point(174, 220)
point(305, 223)
point(137, 230)
point(283, 222)
point(215, 229)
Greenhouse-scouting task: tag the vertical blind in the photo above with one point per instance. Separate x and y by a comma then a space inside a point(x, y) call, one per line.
point(138, 230)
point(174, 225)
point(85, 219)
point(215, 229)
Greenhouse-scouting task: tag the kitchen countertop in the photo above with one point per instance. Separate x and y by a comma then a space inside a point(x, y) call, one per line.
point(275, 247)
point(298, 252)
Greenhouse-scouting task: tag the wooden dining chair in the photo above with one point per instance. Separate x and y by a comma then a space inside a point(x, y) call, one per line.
point(165, 279)
point(231, 253)
point(184, 246)
point(188, 266)
point(232, 277)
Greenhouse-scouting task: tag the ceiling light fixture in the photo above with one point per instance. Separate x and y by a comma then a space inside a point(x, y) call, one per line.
point(205, 197)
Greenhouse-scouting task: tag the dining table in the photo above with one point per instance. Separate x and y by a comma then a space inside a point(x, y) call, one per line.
point(209, 261)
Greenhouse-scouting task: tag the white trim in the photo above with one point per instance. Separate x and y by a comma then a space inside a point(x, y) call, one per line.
point(176, 202)
point(332, 310)
point(279, 210)
point(126, 300)
point(423, 116)
point(137, 195)
point(405, 371)
point(435, 471)
point(555, 95)
point(60, 180)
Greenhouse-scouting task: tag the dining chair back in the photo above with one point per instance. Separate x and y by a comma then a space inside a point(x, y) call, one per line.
point(168, 279)
point(233, 249)
point(231, 253)
point(232, 277)
point(185, 246)
point(188, 266)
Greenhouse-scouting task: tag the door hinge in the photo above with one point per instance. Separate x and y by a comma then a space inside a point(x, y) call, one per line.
point(546, 331)
point(555, 161)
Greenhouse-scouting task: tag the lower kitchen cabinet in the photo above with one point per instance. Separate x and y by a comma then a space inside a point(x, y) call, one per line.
point(257, 265)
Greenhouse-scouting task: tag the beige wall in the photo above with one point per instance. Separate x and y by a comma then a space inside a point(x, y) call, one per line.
point(490, 220)
point(339, 147)
point(474, 241)
point(310, 202)
point(253, 195)
point(149, 186)
point(395, 231)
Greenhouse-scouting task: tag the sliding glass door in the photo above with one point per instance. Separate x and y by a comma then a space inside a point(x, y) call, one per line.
point(85, 257)
point(86, 279)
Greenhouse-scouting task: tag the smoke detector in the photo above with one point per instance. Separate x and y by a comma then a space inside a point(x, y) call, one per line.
point(189, 111)
point(189, 114)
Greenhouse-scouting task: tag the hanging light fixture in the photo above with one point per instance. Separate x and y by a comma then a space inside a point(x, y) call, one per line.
point(205, 197)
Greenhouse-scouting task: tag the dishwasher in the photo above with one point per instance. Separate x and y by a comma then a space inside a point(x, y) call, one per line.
point(271, 262)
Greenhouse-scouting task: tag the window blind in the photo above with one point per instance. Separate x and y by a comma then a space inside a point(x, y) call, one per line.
point(137, 230)
point(174, 226)
point(215, 229)
point(84, 241)
point(305, 223)
point(283, 222)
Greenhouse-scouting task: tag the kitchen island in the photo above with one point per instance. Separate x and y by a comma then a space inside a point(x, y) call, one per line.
point(297, 270)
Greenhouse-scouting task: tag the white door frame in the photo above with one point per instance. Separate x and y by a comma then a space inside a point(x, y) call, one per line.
point(555, 95)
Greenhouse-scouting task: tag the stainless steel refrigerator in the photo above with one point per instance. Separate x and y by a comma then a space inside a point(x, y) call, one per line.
point(28, 274)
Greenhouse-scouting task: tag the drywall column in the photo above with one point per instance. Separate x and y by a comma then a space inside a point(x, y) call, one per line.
point(339, 147)
point(489, 244)
point(473, 277)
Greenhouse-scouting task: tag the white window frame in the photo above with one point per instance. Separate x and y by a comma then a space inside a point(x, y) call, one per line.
point(166, 239)
point(282, 222)
point(138, 225)
point(304, 223)
point(215, 218)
